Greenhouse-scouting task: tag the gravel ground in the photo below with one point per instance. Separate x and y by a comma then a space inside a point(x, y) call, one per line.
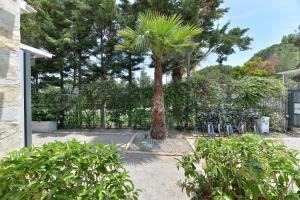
point(175, 144)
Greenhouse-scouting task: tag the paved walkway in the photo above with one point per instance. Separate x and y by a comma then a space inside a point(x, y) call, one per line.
point(107, 136)
point(156, 176)
point(292, 142)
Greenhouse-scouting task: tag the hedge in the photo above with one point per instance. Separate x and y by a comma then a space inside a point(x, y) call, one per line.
point(241, 167)
point(65, 171)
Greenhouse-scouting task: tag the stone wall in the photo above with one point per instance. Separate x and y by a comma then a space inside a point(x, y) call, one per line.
point(10, 90)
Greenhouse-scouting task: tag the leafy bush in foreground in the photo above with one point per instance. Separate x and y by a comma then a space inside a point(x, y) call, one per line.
point(65, 171)
point(241, 167)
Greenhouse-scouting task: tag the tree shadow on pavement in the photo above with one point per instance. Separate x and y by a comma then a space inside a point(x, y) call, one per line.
point(138, 158)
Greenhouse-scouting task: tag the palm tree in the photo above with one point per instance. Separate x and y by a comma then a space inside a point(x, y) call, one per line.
point(162, 35)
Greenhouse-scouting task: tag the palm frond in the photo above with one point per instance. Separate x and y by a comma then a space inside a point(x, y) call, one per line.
point(141, 42)
point(127, 33)
point(185, 33)
point(159, 33)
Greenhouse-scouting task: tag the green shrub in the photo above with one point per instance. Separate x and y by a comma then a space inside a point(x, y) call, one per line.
point(241, 167)
point(47, 104)
point(65, 171)
point(43, 114)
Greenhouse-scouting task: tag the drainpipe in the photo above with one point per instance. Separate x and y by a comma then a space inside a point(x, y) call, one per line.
point(27, 98)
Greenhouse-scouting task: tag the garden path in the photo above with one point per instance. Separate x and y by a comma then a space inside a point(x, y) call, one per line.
point(156, 176)
point(292, 142)
point(108, 136)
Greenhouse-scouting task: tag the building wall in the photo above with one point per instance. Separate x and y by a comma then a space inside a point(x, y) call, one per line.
point(11, 136)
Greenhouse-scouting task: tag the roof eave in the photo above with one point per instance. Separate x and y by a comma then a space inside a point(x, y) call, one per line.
point(25, 8)
point(289, 72)
point(36, 53)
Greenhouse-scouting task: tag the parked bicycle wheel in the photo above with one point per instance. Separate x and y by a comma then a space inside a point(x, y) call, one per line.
point(210, 129)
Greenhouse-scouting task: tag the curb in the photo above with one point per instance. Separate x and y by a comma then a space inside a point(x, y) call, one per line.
point(127, 146)
point(192, 145)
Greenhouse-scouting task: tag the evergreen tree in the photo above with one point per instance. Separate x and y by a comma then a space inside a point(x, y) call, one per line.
point(128, 62)
point(49, 29)
point(80, 33)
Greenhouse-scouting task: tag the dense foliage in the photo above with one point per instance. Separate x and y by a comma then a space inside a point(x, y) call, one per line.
point(83, 44)
point(65, 171)
point(276, 58)
point(241, 167)
point(284, 55)
point(293, 39)
point(45, 105)
point(84, 110)
point(184, 101)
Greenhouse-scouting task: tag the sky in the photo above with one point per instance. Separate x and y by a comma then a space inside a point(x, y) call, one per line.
point(268, 21)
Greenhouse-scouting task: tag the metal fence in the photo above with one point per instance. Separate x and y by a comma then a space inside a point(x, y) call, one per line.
point(278, 109)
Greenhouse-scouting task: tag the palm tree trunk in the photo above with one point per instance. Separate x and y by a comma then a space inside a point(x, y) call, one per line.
point(158, 129)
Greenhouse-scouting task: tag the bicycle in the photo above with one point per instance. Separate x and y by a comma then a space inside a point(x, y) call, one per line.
point(226, 123)
point(241, 128)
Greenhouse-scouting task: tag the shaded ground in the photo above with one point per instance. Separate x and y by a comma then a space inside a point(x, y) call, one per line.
point(156, 176)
